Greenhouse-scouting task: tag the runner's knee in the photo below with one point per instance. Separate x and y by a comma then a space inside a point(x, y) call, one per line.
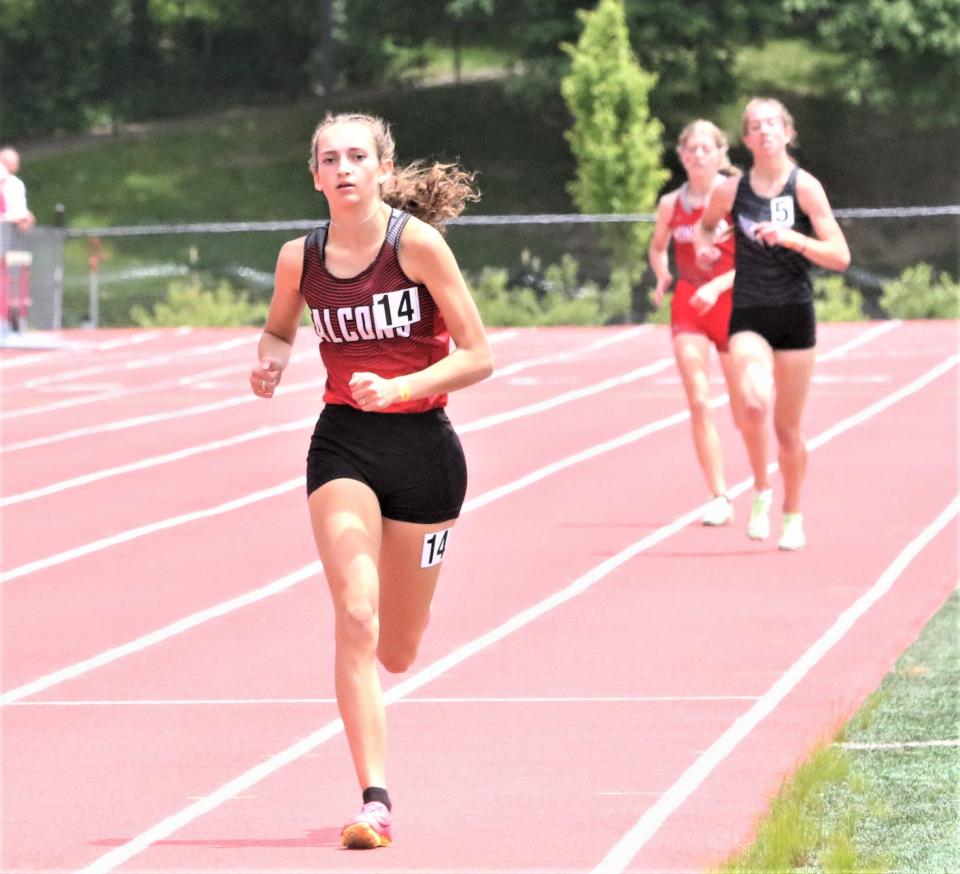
point(789, 437)
point(756, 388)
point(397, 656)
point(358, 626)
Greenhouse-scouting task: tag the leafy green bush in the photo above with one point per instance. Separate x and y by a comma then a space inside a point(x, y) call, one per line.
point(190, 303)
point(835, 301)
point(553, 295)
point(915, 295)
point(658, 315)
point(498, 303)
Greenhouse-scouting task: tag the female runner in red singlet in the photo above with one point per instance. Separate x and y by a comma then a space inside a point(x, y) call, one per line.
point(386, 475)
point(700, 310)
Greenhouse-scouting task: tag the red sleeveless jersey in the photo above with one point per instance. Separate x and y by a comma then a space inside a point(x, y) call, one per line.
point(681, 230)
point(378, 321)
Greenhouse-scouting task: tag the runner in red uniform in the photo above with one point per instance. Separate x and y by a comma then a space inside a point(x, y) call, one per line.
point(386, 475)
point(700, 311)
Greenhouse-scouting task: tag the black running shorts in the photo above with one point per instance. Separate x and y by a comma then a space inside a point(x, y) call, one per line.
point(785, 326)
point(413, 462)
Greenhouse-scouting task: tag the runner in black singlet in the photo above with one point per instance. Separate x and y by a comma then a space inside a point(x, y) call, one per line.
point(783, 221)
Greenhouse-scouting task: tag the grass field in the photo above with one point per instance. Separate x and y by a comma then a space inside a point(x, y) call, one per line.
point(886, 796)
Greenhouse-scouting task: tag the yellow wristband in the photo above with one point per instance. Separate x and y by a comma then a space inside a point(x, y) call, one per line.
point(404, 390)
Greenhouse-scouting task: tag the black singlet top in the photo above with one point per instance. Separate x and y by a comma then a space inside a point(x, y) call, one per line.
point(769, 275)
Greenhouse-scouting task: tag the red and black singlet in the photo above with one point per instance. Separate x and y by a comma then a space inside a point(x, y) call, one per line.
point(378, 321)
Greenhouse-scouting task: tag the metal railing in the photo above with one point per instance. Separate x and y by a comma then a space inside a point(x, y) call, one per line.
point(46, 245)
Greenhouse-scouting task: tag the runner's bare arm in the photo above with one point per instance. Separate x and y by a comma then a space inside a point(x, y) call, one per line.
point(286, 307)
point(659, 244)
point(426, 258)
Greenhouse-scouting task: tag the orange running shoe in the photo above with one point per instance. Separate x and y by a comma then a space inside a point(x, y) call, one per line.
point(369, 829)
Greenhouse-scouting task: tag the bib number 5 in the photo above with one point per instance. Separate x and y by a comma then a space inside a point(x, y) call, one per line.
point(781, 211)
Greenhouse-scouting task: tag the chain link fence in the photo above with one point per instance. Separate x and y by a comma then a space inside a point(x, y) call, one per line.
point(95, 276)
point(31, 277)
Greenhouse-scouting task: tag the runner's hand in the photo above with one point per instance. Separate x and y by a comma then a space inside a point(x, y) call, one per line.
point(663, 283)
point(705, 297)
point(265, 377)
point(772, 234)
point(372, 392)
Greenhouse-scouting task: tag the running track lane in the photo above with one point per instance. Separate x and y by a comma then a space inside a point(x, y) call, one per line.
point(399, 858)
point(157, 578)
point(162, 577)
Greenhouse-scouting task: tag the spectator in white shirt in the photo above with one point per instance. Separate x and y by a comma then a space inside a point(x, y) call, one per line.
point(13, 193)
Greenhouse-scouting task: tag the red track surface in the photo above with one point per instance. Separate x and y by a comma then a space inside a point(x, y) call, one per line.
point(638, 721)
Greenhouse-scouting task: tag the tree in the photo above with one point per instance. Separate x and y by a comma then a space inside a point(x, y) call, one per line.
point(52, 60)
point(907, 52)
point(464, 14)
point(690, 46)
point(614, 138)
point(371, 47)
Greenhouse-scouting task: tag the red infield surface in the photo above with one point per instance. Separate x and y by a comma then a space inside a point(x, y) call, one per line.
point(605, 684)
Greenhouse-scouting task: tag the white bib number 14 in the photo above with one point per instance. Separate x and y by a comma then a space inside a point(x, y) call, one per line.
point(434, 546)
point(396, 309)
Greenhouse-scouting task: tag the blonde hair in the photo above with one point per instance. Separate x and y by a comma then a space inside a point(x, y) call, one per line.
point(788, 125)
point(719, 139)
point(433, 193)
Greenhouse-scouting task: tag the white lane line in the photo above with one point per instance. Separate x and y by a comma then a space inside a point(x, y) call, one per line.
point(233, 702)
point(83, 387)
point(27, 360)
point(571, 354)
point(53, 679)
point(877, 330)
point(246, 397)
point(139, 338)
point(161, 634)
point(494, 494)
point(132, 364)
point(154, 461)
point(478, 425)
point(615, 443)
point(576, 458)
point(151, 528)
point(298, 482)
point(153, 418)
point(176, 821)
point(71, 347)
point(879, 406)
point(290, 485)
point(160, 385)
point(69, 403)
point(623, 852)
point(566, 397)
point(900, 745)
point(818, 379)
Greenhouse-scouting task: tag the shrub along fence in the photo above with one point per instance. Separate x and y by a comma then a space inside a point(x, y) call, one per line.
point(523, 269)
